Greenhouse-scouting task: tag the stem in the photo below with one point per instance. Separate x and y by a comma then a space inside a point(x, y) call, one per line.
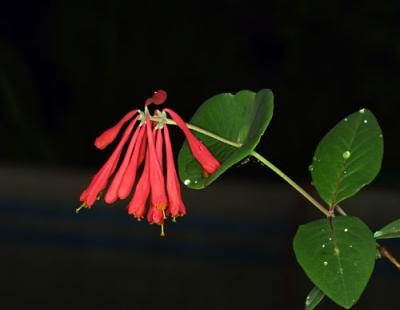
point(291, 182)
point(382, 250)
point(385, 253)
point(256, 155)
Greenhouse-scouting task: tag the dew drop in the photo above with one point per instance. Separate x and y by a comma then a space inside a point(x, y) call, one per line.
point(187, 182)
point(362, 111)
point(380, 135)
point(325, 263)
point(346, 155)
point(245, 161)
point(346, 230)
point(261, 163)
point(308, 302)
point(346, 119)
point(195, 182)
point(350, 246)
point(310, 168)
point(344, 171)
point(314, 158)
point(365, 121)
point(323, 245)
point(330, 239)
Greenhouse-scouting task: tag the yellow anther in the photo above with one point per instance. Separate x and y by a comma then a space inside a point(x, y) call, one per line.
point(174, 219)
point(83, 205)
point(162, 234)
point(163, 212)
point(99, 196)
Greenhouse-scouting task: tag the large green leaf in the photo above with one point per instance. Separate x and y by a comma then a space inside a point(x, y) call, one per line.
point(314, 298)
point(391, 230)
point(338, 257)
point(241, 118)
point(348, 157)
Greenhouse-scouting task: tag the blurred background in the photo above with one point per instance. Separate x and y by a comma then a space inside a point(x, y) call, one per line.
point(70, 69)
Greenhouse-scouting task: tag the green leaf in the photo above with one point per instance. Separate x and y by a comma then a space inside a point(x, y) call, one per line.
point(241, 118)
point(314, 298)
point(348, 157)
point(338, 257)
point(391, 230)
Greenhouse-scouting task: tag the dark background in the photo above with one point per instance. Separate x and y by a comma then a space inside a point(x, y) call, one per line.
point(70, 69)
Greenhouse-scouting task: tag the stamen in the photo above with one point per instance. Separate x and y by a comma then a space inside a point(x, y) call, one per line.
point(99, 196)
point(83, 205)
point(162, 234)
point(174, 219)
point(163, 212)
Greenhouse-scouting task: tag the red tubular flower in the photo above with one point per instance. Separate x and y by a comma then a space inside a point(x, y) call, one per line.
point(99, 182)
point(112, 192)
point(137, 205)
point(146, 144)
point(158, 196)
point(158, 97)
point(209, 163)
point(109, 135)
point(176, 206)
point(159, 147)
point(129, 176)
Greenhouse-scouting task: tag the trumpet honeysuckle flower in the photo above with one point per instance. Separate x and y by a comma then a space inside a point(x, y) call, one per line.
point(209, 163)
point(176, 206)
point(157, 188)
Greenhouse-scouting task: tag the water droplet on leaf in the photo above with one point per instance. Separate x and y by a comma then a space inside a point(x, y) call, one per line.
point(346, 155)
point(187, 182)
point(310, 168)
point(362, 111)
point(346, 230)
point(365, 121)
point(325, 263)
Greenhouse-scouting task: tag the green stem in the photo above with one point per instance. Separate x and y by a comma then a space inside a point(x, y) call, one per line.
point(290, 182)
point(256, 155)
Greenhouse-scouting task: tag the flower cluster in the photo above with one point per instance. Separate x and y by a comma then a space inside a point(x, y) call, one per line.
point(158, 183)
